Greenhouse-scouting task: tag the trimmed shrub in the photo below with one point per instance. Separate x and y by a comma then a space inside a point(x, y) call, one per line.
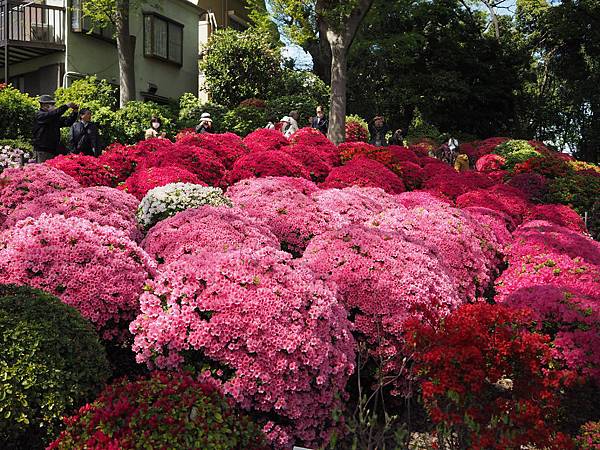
point(17, 113)
point(579, 191)
point(357, 129)
point(144, 180)
point(243, 120)
point(265, 164)
point(166, 201)
point(364, 172)
point(264, 140)
point(166, 410)
point(51, 363)
point(87, 170)
point(94, 268)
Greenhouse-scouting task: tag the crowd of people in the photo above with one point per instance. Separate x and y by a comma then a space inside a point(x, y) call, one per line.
point(84, 137)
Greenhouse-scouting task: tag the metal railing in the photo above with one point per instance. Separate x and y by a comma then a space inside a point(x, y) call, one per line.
point(32, 23)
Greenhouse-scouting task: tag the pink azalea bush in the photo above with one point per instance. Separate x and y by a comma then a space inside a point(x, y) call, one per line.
point(274, 335)
point(87, 170)
point(264, 140)
point(422, 199)
point(96, 269)
point(556, 273)
point(101, 205)
point(202, 163)
point(384, 280)
point(498, 223)
point(260, 164)
point(228, 147)
point(206, 229)
point(468, 252)
point(145, 179)
point(364, 172)
point(21, 185)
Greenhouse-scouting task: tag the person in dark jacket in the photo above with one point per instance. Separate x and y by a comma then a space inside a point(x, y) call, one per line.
point(320, 122)
point(378, 130)
point(205, 125)
point(46, 128)
point(83, 137)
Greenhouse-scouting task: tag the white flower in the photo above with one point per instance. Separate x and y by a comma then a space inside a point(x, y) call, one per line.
point(166, 201)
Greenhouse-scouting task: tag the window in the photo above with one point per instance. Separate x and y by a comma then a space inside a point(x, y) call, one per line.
point(82, 24)
point(163, 38)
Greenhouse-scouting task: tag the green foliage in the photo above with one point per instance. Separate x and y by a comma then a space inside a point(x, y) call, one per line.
point(190, 110)
point(17, 113)
point(51, 363)
point(579, 190)
point(17, 143)
point(419, 129)
point(89, 92)
point(305, 84)
point(515, 152)
point(127, 125)
point(282, 106)
point(241, 65)
point(243, 120)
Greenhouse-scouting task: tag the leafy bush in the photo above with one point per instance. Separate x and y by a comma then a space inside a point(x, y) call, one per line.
point(357, 129)
point(243, 120)
point(240, 65)
point(305, 84)
point(487, 381)
point(166, 201)
point(282, 106)
point(579, 191)
point(128, 124)
point(191, 414)
point(516, 152)
point(190, 110)
point(51, 362)
point(89, 92)
point(17, 112)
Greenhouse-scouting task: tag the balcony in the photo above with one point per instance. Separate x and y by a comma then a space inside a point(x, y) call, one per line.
point(29, 30)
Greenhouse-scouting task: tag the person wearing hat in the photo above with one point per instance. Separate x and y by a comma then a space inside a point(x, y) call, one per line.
point(205, 125)
point(285, 124)
point(46, 128)
point(378, 130)
point(293, 118)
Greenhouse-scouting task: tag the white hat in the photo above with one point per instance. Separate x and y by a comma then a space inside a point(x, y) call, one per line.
point(205, 116)
point(286, 119)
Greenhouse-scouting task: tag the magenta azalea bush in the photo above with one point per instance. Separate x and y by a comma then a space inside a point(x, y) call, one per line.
point(206, 230)
point(259, 164)
point(146, 179)
point(265, 140)
point(21, 185)
point(384, 279)
point(101, 205)
point(228, 147)
point(364, 172)
point(96, 269)
point(275, 336)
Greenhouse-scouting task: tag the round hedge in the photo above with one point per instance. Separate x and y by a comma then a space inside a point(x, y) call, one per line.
point(51, 363)
point(164, 411)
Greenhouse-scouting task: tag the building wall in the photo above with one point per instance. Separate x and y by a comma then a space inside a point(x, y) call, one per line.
point(88, 55)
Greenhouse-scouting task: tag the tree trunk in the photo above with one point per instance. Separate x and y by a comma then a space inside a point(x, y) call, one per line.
point(339, 81)
point(126, 52)
point(320, 51)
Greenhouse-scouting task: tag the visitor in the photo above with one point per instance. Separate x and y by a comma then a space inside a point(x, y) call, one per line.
point(293, 127)
point(83, 136)
point(271, 124)
point(461, 164)
point(397, 138)
point(320, 122)
point(46, 128)
point(285, 123)
point(205, 125)
point(378, 130)
point(154, 131)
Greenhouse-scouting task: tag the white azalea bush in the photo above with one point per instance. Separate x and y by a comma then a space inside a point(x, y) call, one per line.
point(12, 157)
point(166, 201)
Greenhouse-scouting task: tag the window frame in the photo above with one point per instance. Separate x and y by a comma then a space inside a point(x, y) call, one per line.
point(150, 53)
point(77, 12)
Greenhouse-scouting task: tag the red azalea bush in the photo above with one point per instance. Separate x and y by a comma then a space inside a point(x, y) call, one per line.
point(436, 168)
point(21, 185)
point(118, 158)
point(500, 197)
point(452, 184)
point(384, 280)
point(144, 179)
point(490, 163)
point(314, 138)
point(548, 165)
point(411, 174)
point(202, 163)
point(259, 164)
point(264, 139)
point(400, 154)
point(350, 150)
point(206, 229)
point(228, 147)
point(533, 185)
point(316, 162)
point(558, 214)
point(364, 172)
point(101, 205)
point(95, 269)
point(87, 170)
point(488, 146)
point(184, 132)
point(487, 380)
point(467, 251)
point(166, 410)
point(276, 337)
point(423, 147)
